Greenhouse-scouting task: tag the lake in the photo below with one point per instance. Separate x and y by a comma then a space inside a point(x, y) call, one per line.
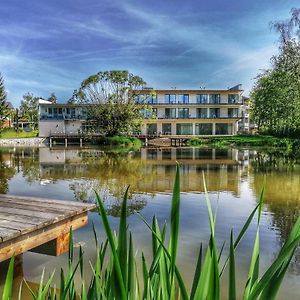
point(234, 180)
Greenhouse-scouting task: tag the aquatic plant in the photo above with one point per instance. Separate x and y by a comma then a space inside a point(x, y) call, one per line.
point(115, 274)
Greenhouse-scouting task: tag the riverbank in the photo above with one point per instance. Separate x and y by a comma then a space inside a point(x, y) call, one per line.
point(288, 144)
point(22, 142)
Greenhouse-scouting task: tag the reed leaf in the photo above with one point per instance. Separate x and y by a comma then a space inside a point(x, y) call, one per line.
point(8, 285)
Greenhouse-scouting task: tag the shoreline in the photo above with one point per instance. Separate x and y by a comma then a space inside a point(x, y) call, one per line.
point(21, 142)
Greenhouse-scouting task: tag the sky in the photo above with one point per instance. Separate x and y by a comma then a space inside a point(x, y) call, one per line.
point(51, 46)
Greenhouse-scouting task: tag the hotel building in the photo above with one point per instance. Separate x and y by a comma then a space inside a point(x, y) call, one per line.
point(174, 112)
point(194, 112)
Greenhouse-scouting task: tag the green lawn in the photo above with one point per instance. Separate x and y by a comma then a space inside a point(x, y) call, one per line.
point(9, 133)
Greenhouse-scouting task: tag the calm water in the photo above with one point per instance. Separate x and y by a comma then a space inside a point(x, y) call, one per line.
point(234, 179)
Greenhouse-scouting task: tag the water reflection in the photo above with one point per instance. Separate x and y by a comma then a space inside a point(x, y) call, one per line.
point(236, 175)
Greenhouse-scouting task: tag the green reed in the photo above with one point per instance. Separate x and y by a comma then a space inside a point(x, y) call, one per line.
point(115, 273)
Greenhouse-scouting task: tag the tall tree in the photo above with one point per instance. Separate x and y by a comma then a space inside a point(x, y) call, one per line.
point(4, 110)
point(276, 94)
point(52, 98)
point(29, 108)
point(110, 99)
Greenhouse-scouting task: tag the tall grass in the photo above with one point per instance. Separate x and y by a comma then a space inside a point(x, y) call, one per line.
point(115, 273)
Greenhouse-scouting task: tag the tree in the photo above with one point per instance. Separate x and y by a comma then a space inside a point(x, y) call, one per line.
point(29, 108)
point(4, 110)
point(52, 98)
point(275, 97)
point(110, 99)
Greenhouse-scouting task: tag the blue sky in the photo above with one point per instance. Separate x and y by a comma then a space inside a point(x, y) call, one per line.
point(51, 46)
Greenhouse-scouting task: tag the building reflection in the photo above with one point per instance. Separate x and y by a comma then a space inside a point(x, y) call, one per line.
point(149, 170)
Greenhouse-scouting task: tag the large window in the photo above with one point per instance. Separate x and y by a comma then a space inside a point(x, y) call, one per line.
point(233, 98)
point(183, 113)
point(170, 113)
point(215, 98)
point(202, 99)
point(223, 129)
point(214, 113)
point(184, 129)
point(183, 98)
point(233, 112)
point(166, 128)
point(203, 129)
point(170, 98)
point(202, 113)
point(152, 129)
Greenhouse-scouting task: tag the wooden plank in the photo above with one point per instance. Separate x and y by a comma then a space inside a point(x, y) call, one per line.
point(6, 233)
point(42, 206)
point(29, 213)
point(47, 200)
point(53, 204)
point(10, 224)
point(38, 237)
point(22, 218)
point(28, 207)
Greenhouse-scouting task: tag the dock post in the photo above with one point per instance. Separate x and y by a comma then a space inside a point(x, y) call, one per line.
point(146, 141)
point(80, 140)
point(66, 142)
point(50, 142)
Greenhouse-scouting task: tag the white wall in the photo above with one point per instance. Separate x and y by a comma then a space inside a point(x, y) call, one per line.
point(72, 126)
point(48, 126)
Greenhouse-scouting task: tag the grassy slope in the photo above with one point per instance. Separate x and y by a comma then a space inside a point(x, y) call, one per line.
point(9, 133)
point(247, 140)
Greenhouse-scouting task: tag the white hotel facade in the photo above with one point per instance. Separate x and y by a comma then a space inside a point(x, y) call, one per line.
point(175, 112)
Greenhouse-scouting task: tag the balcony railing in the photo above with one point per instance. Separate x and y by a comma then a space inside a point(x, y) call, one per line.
point(62, 117)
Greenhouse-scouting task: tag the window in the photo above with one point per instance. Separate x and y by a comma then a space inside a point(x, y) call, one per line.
point(215, 98)
point(183, 113)
point(202, 113)
point(233, 98)
point(166, 128)
point(50, 111)
point(68, 110)
point(152, 129)
point(55, 110)
point(203, 129)
point(222, 129)
point(184, 129)
point(170, 113)
point(60, 111)
point(184, 99)
point(170, 98)
point(233, 112)
point(214, 113)
point(202, 99)
point(152, 99)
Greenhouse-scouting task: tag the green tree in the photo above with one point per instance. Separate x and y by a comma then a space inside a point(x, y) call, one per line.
point(29, 108)
point(4, 110)
point(275, 97)
point(52, 98)
point(110, 99)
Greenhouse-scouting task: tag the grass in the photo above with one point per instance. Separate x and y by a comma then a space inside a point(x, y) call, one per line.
point(10, 133)
point(246, 140)
point(115, 272)
point(121, 141)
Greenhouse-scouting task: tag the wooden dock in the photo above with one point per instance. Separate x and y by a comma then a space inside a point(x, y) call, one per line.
point(38, 224)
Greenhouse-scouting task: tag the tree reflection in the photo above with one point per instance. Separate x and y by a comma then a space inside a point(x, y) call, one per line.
point(282, 195)
point(6, 171)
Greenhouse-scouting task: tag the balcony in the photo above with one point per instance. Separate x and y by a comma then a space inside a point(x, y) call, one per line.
point(62, 117)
